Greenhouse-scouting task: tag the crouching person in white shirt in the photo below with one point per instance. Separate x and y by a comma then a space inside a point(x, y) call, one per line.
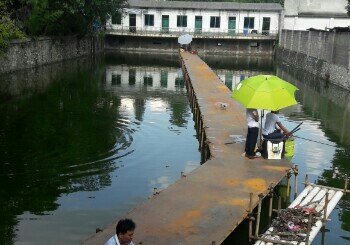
point(124, 233)
point(273, 127)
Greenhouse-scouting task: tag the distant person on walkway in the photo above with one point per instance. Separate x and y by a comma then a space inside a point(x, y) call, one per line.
point(189, 48)
point(124, 233)
point(253, 132)
point(271, 131)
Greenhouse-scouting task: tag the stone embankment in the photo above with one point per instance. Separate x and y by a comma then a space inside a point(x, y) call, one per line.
point(321, 53)
point(24, 54)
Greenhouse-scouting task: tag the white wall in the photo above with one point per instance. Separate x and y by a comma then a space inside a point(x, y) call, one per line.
point(304, 23)
point(206, 14)
point(294, 7)
point(326, 14)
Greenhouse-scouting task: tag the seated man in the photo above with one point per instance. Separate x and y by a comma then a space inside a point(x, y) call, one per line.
point(270, 130)
point(124, 233)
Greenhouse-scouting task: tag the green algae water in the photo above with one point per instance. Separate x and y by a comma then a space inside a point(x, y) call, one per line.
point(83, 142)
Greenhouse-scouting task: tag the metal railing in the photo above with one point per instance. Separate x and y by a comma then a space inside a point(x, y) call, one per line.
point(197, 33)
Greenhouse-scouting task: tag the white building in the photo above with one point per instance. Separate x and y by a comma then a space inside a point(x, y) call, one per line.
point(317, 14)
point(145, 17)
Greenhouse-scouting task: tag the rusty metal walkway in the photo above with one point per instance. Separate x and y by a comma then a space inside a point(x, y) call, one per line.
point(211, 201)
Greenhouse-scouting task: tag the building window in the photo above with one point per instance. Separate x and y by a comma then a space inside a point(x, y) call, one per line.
point(214, 22)
point(164, 79)
point(179, 82)
point(266, 25)
point(248, 23)
point(132, 77)
point(181, 21)
point(117, 19)
point(149, 20)
point(148, 80)
point(116, 79)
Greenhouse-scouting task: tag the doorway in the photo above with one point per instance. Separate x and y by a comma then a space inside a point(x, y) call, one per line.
point(198, 24)
point(132, 23)
point(231, 25)
point(165, 23)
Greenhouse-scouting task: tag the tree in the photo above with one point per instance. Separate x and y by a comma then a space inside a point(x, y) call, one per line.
point(61, 17)
point(348, 8)
point(8, 29)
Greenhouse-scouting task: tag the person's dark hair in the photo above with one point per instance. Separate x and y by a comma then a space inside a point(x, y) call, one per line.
point(125, 225)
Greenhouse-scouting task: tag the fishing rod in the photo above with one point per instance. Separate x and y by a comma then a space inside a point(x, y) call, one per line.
point(296, 128)
point(314, 141)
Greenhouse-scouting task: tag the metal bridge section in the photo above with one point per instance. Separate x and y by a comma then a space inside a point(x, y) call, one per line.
point(205, 206)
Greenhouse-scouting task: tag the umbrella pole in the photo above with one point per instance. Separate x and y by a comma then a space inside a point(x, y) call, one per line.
point(261, 118)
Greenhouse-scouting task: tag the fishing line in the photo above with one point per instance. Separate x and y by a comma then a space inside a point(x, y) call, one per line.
point(314, 141)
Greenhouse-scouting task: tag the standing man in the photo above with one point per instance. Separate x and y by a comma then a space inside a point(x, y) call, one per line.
point(271, 131)
point(124, 233)
point(253, 132)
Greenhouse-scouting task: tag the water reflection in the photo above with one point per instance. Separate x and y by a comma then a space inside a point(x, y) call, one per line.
point(81, 143)
point(46, 135)
point(69, 132)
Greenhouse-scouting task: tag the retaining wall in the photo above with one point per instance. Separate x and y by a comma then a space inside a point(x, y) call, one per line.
point(28, 53)
point(325, 54)
point(209, 46)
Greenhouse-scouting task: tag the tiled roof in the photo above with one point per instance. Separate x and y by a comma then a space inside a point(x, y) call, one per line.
point(204, 5)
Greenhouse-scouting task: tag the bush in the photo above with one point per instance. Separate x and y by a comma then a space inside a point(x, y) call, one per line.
point(8, 32)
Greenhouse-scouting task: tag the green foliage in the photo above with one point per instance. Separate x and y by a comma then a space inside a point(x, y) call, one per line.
point(8, 29)
point(348, 8)
point(61, 17)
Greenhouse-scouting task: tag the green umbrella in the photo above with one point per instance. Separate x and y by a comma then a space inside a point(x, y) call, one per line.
point(265, 92)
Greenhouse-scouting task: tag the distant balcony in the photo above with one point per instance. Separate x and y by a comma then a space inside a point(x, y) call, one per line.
point(197, 33)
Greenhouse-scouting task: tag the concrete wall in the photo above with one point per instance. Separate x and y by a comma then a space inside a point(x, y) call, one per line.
point(295, 7)
point(206, 14)
point(317, 14)
point(319, 53)
point(321, 23)
point(209, 46)
point(33, 53)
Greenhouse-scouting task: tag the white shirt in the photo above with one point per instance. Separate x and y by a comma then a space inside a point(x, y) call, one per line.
point(115, 241)
point(270, 123)
point(250, 118)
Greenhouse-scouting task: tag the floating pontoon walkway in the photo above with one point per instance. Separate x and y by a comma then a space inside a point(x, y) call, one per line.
point(210, 202)
point(317, 200)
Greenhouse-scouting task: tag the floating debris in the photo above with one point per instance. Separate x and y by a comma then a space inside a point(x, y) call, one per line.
point(292, 223)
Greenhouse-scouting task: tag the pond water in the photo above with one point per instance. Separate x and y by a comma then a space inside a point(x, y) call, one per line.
point(83, 142)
